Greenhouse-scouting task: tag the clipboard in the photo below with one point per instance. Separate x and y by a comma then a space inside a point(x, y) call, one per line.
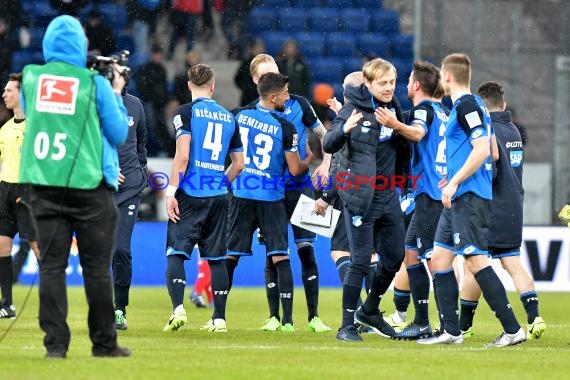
point(305, 217)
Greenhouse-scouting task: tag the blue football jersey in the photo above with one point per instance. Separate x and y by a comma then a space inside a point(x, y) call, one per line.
point(266, 137)
point(214, 133)
point(469, 120)
point(428, 155)
point(298, 111)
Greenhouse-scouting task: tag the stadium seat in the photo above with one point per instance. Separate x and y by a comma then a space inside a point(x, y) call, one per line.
point(293, 20)
point(355, 20)
point(326, 70)
point(373, 44)
point(137, 60)
point(404, 68)
point(369, 4)
point(310, 44)
point(272, 3)
point(20, 58)
point(323, 19)
point(402, 95)
point(114, 16)
point(40, 13)
point(339, 92)
point(351, 65)
point(274, 41)
point(402, 46)
point(386, 22)
point(36, 37)
point(262, 20)
point(305, 3)
point(341, 44)
point(125, 42)
point(340, 4)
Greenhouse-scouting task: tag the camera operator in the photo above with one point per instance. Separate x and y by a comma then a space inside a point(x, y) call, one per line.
point(75, 120)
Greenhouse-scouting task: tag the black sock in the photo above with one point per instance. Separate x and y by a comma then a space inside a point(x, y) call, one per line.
point(530, 303)
point(447, 295)
point(271, 288)
point(439, 316)
point(496, 296)
point(310, 274)
point(121, 298)
point(220, 287)
point(380, 284)
point(342, 267)
point(285, 284)
point(368, 279)
point(6, 279)
point(401, 299)
point(419, 287)
point(20, 259)
point(231, 267)
point(175, 279)
point(350, 296)
point(467, 313)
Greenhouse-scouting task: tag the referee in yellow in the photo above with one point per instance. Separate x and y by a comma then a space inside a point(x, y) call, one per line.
point(15, 215)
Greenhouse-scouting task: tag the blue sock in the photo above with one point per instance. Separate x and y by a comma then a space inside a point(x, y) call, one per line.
point(447, 295)
point(530, 303)
point(419, 288)
point(496, 296)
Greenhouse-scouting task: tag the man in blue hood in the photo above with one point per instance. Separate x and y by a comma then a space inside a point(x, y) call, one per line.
point(76, 118)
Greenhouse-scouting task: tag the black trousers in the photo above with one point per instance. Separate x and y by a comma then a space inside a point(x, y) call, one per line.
point(92, 215)
point(122, 258)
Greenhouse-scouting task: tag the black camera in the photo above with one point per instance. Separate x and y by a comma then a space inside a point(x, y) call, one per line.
point(104, 65)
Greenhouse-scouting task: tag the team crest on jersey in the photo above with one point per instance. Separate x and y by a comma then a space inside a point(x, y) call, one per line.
point(57, 94)
point(456, 238)
point(295, 139)
point(177, 121)
point(131, 121)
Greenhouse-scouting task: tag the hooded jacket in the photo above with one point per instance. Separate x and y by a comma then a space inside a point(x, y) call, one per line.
point(65, 41)
point(369, 150)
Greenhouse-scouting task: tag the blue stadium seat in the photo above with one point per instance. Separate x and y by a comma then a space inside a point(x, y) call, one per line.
point(369, 4)
point(373, 44)
point(137, 60)
point(340, 4)
point(402, 95)
point(402, 46)
point(341, 44)
point(262, 20)
point(305, 3)
point(21, 58)
point(293, 20)
point(403, 68)
point(125, 42)
point(274, 41)
point(339, 92)
point(355, 20)
point(386, 22)
point(36, 38)
point(310, 44)
point(351, 65)
point(39, 12)
point(326, 70)
point(114, 16)
point(272, 3)
point(323, 20)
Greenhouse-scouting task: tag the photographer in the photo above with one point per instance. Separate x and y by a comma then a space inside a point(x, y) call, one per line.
point(75, 120)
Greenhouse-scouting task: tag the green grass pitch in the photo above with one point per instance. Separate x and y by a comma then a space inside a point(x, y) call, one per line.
point(245, 352)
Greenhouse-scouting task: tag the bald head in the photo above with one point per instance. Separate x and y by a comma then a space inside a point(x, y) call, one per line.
point(353, 79)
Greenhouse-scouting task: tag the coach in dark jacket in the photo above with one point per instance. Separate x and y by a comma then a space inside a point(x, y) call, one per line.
point(132, 181)
point(372, 211)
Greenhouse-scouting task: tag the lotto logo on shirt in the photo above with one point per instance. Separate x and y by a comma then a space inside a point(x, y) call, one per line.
point(57, 94)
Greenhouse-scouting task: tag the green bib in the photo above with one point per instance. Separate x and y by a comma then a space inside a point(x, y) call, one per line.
point(63, 144)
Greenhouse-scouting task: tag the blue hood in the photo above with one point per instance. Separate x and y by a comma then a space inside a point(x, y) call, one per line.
point(65, 41)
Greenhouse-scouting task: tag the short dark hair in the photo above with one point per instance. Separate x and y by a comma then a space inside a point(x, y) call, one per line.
point(16, 77)
point(428, 76)
point(271, 82)
point(200, 74)
point(493, 95)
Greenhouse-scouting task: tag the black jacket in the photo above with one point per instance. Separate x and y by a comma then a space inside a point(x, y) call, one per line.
point(369, 150)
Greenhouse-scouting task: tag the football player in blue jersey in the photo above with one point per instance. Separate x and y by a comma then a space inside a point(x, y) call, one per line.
point(426, 128)
point(196, 199)
point(298, 111)
point(271, 144)
point(505, 232)
point(463, 227)
point(371, 209)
